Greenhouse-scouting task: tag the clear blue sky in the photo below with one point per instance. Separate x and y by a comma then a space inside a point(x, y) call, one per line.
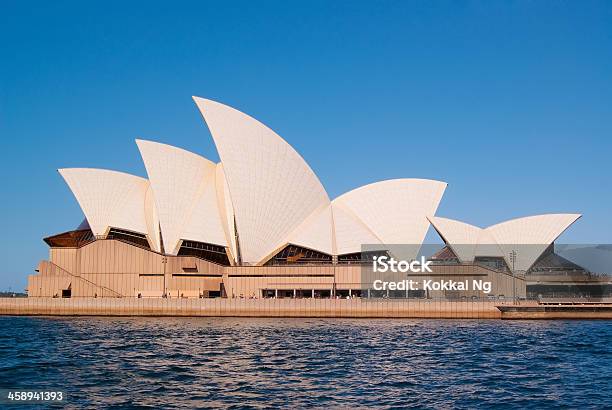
point(508, 102)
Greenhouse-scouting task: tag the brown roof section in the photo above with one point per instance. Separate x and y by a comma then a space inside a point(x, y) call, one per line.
point(70, 239)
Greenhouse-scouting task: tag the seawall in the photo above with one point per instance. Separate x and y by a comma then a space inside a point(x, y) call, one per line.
point(320, 308)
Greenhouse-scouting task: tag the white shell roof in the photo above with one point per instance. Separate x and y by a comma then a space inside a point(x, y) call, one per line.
point(350, 231)
point(316, 232)
point(152, 219)
point(113, 199)
point(226, 209)
point(395, 210)
point(184, 187)
point(528, 237)
point(387, 212)
point(467, 241)
point(273, 189)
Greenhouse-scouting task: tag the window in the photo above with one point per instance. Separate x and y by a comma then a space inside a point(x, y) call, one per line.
point(133, 238)
point(206, 251)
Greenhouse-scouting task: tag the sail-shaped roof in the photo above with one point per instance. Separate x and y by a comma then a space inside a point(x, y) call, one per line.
point(113, 199)
point(273, 189)
point(184, 188)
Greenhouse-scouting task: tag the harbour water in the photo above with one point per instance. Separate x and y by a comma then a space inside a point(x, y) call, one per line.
point(232, 362)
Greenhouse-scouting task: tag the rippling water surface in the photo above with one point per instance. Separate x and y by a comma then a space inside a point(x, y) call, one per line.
point(213, 362)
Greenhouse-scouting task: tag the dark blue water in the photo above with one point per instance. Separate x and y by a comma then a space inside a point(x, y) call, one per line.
point(202, 362)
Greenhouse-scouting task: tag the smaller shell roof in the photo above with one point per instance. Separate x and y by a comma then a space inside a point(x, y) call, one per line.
point(526, 237)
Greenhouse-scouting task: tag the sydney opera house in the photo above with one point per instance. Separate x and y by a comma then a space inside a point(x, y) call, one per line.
point(259, 224)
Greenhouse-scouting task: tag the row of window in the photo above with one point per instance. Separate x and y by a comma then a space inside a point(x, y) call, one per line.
point(309, 293)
